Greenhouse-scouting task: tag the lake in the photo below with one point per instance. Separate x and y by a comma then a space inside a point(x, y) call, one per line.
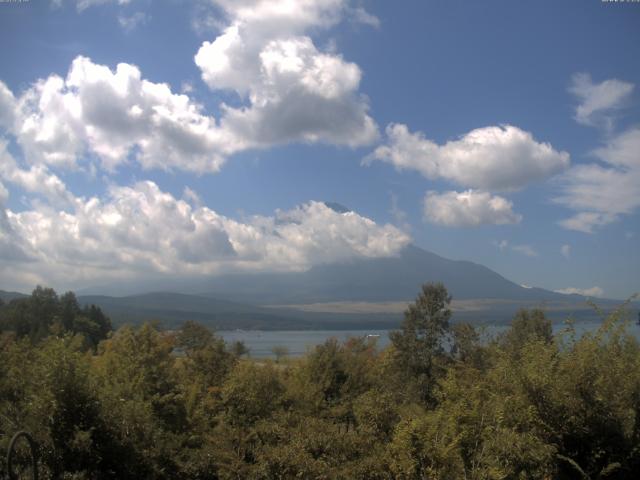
point(298, 342)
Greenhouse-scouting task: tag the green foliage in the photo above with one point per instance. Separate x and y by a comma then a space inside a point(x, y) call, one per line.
point(250, 393)
point(419, 343)
point(238, 349)
point(467, 347)
point(280, 352)
point(193, 337)
point(184, 405)
point(527, 326)
point(43, 313)
point(207, 359)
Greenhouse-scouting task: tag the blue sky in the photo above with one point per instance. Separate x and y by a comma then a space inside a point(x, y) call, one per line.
point(143, 138)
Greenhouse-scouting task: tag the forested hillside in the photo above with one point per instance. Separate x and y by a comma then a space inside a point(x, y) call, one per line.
point(440, 403)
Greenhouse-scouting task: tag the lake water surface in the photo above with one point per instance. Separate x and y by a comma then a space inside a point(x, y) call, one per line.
point(298, 342)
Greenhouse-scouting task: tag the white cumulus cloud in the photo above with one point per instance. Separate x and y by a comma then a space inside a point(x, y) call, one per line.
point(360, 15)
point(566, 251)
point(292, 91)
point(468, 209)
point(522, 249)
point(586, 292)
point(526, 250)
point(7, 107)
point(490, 158)
point(131, 22)
point(139, 231)
point(587, 222)
point(115, 114)
point(600, 194)
point(289, 91)
point(36, 179)
point(598, 100)
point(84, 4)
point(11, 250)
point(502, 244)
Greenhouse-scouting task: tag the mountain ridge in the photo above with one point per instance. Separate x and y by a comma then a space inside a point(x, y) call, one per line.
point(380, 279)
point(307, 300)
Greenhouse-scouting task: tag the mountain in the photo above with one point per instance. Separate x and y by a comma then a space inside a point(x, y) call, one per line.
point(366, 279)
point(361, 294)
point(8, 296)
point(172, 309)
point(375, 280)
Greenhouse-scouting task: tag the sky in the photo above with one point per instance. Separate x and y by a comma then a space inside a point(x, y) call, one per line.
point(142, 139)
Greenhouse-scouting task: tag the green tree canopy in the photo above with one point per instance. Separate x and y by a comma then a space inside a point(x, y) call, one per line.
point(43, 313)
point(419, 341)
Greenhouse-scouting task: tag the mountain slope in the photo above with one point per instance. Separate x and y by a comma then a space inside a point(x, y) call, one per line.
point(282, 301)
point(172, 309)
point(8, 296)
point(382, 279)
point(366, 279)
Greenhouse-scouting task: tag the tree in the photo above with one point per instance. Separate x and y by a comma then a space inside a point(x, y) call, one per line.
point(207, 359)
point(134, 376)
point(238, 348)
point(326, 372)
point(33, 316)
point(419, 342)
point(44, 313)
point(467, 347)
point(250, 393)
point(69, 309)
point(193, 336)
point(527, 326)
point(280, 351)
point(93, 323)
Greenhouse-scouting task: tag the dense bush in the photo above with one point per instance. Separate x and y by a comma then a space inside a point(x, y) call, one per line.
point(438, 403)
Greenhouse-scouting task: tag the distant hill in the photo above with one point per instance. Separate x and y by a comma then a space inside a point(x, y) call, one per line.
point(172, 309)
point(8, 296)
point(366, 279)
point(349, 295)
point(376, 280)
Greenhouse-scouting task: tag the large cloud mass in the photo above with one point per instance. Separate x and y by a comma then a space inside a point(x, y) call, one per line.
point(139, 231)
point(293, 91)
point(103, 116)
point(113, 114)
point(468, 209)
point(490, 158)
point(289, 92)
point(37, 180)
